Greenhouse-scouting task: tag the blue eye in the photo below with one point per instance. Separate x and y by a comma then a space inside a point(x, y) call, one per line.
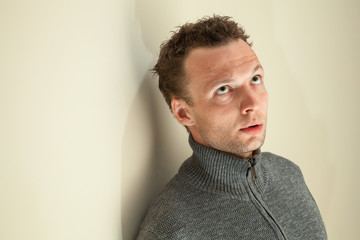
point(256, 79)
point(222, 90)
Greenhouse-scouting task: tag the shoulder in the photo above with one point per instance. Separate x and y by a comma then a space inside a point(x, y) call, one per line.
point(280, 166)
point(145, 234)
point(167, 210)
point(168, 199)
point(272, 159)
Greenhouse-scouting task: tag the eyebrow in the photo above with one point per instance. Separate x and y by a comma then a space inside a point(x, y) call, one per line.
point(257, 68)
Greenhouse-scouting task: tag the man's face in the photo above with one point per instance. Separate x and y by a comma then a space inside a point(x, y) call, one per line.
point(229, 110)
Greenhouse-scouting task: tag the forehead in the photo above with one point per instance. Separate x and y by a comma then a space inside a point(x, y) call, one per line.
point(207, 63)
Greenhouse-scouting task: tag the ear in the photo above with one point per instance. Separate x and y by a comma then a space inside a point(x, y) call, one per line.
point(182, 112)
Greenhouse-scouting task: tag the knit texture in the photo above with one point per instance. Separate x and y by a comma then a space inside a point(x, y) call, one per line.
point(213, 196)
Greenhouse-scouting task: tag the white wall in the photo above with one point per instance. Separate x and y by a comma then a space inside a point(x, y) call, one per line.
point(61, 118)
point(86, 139)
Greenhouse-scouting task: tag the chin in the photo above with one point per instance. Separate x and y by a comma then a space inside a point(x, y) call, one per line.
point(256, 144)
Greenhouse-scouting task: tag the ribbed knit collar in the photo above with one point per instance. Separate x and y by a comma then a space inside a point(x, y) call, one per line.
point(215, 171)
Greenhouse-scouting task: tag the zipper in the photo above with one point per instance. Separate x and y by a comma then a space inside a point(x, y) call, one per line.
point(254, 178)
point(252, 168)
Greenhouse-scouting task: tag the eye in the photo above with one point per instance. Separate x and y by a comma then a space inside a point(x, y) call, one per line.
point(256, 79)
point(222, 90)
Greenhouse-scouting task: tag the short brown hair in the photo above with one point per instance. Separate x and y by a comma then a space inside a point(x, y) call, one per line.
point(206, 32)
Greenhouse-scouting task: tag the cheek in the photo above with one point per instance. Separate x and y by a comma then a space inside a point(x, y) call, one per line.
point(213, 116)
point(264, 100)
point(225, 116)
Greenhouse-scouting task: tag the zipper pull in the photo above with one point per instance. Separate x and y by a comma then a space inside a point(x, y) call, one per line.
point(252, 168)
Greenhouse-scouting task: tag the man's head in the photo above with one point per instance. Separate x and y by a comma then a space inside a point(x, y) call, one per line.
point(213, 83)
point(207, 32)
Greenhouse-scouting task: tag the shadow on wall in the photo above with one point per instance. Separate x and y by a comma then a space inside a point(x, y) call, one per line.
point(149, 160)
point(142, 163)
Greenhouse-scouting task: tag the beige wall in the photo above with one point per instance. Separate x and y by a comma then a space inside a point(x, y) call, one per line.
point(86, 139)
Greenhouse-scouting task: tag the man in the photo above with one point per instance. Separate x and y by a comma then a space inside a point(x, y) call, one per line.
point(228, 189)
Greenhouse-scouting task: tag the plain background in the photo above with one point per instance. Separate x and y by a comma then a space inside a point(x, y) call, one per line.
point(86, 139)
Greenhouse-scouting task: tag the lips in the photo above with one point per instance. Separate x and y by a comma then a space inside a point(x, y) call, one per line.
point(252, 129)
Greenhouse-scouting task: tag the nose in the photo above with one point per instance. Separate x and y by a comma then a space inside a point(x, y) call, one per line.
point(249, 101)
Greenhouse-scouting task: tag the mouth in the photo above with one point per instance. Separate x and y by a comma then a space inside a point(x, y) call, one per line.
point(252, 129)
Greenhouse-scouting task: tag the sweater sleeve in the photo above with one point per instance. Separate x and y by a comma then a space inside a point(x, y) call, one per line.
point(146, 235)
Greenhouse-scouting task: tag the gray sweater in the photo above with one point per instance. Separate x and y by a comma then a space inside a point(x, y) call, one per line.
point(217, 196)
